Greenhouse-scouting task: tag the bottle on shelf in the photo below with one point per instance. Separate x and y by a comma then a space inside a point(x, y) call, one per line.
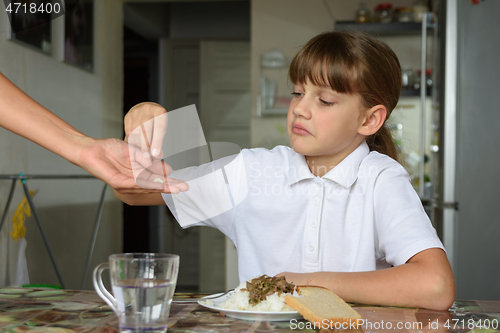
point(407, 76)
point(428, 79)
point(363, 15)
point(419, 9)
point(383, 13)
point(403, 14)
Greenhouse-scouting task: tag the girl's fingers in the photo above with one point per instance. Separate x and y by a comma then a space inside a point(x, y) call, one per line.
point(159, 129)
point(145, 127)
point(136, 141)
point(141, 163)
point(147, 133)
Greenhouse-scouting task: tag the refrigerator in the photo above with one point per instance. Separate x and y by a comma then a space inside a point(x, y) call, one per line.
point(466, 201)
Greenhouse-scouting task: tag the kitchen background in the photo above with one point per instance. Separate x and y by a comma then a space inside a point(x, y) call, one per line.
point(230, 58)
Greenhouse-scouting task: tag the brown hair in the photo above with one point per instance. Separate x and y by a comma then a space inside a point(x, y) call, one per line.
point(353, 62)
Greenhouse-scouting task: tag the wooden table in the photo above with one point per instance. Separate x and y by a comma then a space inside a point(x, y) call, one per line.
point(68, 311)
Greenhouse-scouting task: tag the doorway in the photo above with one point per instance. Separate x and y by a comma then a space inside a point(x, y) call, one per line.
point(140, 84)
point(169, 45)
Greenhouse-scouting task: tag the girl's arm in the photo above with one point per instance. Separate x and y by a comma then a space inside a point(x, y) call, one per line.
point(425, 281)
point(147, 199)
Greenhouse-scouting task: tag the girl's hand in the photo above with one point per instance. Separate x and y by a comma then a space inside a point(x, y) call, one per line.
point(145, 127)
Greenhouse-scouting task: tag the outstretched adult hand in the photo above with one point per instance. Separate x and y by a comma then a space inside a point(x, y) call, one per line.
point(126, 168)
point(123, 166)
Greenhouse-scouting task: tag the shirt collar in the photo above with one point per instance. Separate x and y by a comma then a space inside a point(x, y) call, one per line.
point(345, 173)
point(298, 169)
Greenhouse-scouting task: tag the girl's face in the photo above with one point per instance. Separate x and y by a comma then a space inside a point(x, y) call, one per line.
point(323, 123)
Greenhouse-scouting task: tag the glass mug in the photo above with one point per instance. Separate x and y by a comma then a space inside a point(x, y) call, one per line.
point(143, 287)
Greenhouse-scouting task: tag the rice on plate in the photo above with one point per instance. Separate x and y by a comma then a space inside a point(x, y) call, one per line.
point(271, 299)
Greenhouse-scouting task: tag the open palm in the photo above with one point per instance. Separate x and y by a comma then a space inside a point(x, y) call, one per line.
point(127, 169)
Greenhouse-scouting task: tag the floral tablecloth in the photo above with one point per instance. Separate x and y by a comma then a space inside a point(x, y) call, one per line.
point(72, 311)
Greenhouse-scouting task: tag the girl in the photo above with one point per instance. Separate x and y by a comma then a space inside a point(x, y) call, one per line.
point(336, 209)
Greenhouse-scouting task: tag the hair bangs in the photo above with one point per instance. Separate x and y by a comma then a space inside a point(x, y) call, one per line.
point(354, 63)
point(320, 64)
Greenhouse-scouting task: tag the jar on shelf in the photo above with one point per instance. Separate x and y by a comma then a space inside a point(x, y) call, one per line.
point(428, 79)
point(419, 9)
point(383, 12)
point(363, 15)
point(407, 77)
point(404, 14)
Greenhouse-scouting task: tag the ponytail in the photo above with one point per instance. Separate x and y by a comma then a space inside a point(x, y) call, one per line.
point(383, 143)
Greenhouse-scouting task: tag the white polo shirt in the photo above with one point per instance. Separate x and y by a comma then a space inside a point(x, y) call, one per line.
point(362, 215)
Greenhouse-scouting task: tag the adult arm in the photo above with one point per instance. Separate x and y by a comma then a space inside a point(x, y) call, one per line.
point(24, 116)
point(111, 160)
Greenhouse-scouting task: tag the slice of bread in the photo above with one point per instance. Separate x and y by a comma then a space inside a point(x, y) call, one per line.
point(322, 307)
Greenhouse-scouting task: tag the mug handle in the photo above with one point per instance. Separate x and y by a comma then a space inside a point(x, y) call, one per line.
point(101, 289)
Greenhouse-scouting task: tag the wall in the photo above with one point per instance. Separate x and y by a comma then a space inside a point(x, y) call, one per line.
point(210, 20)
point(286, 25)
point(90, 101)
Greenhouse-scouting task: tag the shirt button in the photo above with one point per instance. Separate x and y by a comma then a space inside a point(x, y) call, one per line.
point(310, 248)
point(313, 223)
point(316, 202)
point(318, 184)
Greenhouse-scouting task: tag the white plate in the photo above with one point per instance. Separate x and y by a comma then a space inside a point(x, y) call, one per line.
point(249, 315)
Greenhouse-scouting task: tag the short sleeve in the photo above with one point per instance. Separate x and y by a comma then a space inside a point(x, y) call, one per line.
point(402, 225)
